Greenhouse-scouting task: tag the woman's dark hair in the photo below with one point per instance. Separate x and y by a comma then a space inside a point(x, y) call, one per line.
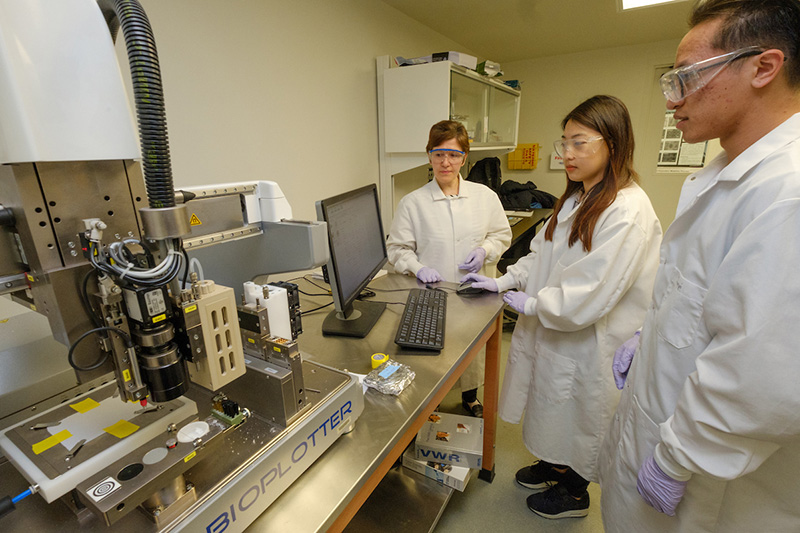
point(444, 131)
point(608, 116)
point(764, 23)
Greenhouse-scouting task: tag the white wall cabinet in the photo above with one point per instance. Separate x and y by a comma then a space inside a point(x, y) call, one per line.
point(413, 98)
point(416, 97)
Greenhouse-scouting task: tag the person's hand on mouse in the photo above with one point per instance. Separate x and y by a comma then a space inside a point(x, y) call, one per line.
point(474, 260)
point(481, 282)
point(516, 300)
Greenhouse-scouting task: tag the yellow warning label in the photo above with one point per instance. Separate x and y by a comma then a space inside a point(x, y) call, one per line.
point(190, 308)
point(126, 374)
point(30, 278)
point(189, 457)
point(251, 341)
point(194, 221)
point(159, 318)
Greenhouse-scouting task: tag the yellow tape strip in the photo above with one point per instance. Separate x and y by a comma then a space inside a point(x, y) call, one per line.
point(51, 441)
point(121, 429)
point(85, 405)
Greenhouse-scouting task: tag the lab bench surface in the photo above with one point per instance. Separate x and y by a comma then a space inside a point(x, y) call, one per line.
point(522, 221)
point(328, 495)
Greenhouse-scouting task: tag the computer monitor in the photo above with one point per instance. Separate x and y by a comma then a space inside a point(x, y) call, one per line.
point(357, 253)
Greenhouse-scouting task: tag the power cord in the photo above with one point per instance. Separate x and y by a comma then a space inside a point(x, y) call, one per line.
point(71, 354)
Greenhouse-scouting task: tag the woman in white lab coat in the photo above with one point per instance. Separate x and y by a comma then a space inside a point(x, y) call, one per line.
point(587, 283)
point(449, 227)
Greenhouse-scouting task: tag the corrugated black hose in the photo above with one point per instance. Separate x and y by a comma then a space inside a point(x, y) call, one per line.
point(148, 95)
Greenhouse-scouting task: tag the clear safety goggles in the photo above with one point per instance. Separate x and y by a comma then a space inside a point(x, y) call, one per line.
point(679, 83)
point(578, 147)
point(439, 155)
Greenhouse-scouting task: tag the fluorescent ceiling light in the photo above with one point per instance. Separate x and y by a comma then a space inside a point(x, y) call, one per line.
point(633, 4)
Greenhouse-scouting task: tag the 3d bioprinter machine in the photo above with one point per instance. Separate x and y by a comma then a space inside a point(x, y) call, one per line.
point(186, 404)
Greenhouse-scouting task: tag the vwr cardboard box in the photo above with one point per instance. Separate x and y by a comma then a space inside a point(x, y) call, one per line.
point(448, 475)
point(451, 439)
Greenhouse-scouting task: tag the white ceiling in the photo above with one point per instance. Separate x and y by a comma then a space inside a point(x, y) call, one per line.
point(512, 30)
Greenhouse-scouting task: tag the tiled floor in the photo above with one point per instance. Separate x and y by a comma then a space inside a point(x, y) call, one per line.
point(500, 506)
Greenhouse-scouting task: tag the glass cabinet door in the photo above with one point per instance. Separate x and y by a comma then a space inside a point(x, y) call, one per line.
point(468, 105)
point(502, 113)
point(488, 112)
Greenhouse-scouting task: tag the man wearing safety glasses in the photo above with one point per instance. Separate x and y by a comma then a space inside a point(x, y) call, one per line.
point(707, 433)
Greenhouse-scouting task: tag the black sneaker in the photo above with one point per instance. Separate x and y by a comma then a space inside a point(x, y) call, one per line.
point(557, 503)
point(539, 476)
point(474, 410)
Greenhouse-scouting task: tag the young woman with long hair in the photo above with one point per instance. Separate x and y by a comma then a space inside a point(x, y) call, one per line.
point(580, 293)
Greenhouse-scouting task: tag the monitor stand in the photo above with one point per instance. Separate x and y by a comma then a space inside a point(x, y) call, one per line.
point(358, 324)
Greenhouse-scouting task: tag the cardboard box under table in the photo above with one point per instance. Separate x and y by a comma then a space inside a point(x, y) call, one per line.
point(451, 439)
point(455, 477)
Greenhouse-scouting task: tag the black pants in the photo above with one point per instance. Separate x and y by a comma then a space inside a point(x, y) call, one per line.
point(571, 480)
point(469, 396)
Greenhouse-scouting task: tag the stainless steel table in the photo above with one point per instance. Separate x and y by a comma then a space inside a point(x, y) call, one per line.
point(330, 492)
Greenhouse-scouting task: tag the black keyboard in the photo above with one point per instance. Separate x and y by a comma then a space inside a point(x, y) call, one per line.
point(422, 324)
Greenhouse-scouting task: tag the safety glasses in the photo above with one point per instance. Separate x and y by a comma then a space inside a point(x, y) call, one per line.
point(679, 83)
point(441, 154)
point(578, 147)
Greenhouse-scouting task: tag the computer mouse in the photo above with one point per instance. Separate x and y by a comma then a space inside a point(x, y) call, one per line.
point(466, 289)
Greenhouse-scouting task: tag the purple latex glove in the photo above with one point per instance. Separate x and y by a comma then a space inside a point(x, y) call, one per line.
point(474, 260)
point(429, 275)
point(659, 490)
point(623, 358)
point(481, 282)
point(516, 300)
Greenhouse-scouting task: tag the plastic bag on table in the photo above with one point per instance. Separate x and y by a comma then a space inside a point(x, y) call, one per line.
point(390, 378)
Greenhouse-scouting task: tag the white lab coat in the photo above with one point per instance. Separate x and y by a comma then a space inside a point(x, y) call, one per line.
point(433, 230)
point(430, 229)
point(715, 380)
point(582, 307)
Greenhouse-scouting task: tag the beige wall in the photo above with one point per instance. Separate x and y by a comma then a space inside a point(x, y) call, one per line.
point(278, 90)
point(285, 91)
point(552, 86)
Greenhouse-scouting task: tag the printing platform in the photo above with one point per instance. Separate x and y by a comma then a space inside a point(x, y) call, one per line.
point(238, 473)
